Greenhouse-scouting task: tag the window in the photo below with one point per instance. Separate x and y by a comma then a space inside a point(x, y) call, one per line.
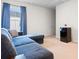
point(15, 14)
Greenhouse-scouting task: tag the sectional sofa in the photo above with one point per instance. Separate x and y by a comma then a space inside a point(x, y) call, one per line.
point(11, 47)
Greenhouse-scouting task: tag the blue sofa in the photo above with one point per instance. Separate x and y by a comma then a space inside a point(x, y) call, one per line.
point(22, 45)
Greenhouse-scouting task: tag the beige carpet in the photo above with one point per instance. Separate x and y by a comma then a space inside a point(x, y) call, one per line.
point(60, 49)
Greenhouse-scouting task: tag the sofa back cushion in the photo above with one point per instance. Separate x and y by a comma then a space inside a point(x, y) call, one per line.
point(7, 47)
point(6, 32)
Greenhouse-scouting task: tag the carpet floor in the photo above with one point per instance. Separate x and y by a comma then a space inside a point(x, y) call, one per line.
point(60, 49)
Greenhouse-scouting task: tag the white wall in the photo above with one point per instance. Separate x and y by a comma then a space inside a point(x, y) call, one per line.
point(66, 13)
point(39, 19)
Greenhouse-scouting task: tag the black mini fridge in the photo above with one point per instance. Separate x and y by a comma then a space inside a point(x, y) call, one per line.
point(65, 34)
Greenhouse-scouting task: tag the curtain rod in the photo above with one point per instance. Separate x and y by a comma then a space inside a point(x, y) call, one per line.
point(14, 4)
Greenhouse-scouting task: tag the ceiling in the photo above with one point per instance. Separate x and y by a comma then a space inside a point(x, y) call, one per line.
point(45, 3)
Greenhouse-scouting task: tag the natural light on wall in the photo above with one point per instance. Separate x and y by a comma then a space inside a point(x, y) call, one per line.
point(15, 14)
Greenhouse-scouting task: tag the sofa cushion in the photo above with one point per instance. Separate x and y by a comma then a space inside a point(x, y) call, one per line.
point(7, 47)
point(22, 40)
point(34, 51)
point(5, 31)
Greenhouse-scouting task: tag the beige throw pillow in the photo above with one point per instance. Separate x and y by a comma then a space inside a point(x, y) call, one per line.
point(14, 33)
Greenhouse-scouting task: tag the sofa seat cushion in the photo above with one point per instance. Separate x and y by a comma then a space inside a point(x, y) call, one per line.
point(34, 51)
point(21, 40)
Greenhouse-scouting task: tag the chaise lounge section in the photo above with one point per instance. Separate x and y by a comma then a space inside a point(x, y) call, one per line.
point(23, 45)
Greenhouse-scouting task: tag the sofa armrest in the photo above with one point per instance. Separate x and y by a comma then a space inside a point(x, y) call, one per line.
point(20, 33)
point(38, 38)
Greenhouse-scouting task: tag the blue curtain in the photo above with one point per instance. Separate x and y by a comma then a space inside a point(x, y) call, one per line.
point(23, 21)
point(5, 21)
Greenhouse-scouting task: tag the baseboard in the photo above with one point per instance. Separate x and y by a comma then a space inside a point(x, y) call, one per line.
point(75, 42)
point(50, 35)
